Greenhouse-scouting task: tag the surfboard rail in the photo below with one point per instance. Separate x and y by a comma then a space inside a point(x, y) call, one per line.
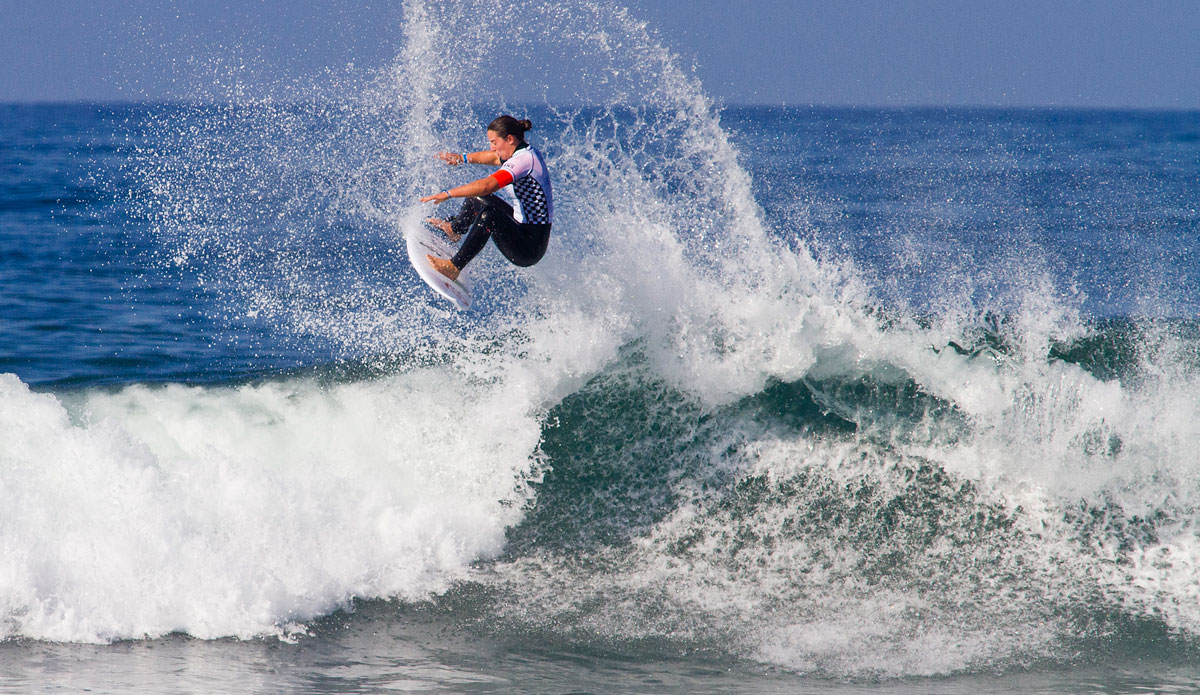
point(422, 240)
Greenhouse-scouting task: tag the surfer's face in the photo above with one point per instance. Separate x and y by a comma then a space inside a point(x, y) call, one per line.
point(502, 146)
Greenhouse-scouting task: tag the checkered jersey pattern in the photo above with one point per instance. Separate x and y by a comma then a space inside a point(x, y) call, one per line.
point(533, 200)
point(530, 185)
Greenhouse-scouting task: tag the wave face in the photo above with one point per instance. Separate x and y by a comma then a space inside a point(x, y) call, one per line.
point(691, 429)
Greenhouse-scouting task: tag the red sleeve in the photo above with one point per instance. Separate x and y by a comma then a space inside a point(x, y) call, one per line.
point(503, 177)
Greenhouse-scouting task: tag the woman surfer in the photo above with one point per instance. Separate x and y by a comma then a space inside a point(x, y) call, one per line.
point(520, 234)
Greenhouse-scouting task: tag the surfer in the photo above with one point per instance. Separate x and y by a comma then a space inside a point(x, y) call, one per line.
point(521, 234)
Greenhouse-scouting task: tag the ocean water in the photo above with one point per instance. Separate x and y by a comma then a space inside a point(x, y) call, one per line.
point(800, 400)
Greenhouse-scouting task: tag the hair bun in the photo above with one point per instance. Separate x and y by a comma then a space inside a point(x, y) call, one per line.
point(506, 125)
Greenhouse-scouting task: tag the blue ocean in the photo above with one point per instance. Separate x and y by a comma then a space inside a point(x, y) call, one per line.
point(800, 400)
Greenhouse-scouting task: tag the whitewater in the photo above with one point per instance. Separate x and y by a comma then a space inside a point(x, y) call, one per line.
point(796, 398)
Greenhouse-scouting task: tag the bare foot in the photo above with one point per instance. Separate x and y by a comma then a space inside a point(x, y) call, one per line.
point(444, 266)
point(445, 227)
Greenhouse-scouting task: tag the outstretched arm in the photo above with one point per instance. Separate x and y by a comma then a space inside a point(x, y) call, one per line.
point(484, 186)
point(456, 158)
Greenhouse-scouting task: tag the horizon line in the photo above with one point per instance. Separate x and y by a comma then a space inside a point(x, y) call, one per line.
point(718, 105)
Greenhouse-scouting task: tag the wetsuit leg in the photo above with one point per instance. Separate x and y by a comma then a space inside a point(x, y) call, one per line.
point(470, 210)
point(522, 244)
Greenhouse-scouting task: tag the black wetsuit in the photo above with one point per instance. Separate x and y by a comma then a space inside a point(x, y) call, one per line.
point(521, 235)
point(490, 217)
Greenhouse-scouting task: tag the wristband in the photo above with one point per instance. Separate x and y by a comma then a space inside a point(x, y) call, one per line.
point(448, 196)
point(465, 158)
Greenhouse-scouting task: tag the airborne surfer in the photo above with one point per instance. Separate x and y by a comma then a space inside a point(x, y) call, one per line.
point(521, 234)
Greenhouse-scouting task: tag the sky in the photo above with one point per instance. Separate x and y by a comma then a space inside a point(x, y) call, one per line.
point(1064, 53)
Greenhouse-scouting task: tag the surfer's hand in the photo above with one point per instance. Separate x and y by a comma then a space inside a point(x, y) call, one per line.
point(437, 198)
point(450, 158)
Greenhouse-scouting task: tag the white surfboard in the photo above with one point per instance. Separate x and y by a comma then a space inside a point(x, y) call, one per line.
point(423, 240)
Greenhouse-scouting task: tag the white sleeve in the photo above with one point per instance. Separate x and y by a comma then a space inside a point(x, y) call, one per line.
point(519, 165)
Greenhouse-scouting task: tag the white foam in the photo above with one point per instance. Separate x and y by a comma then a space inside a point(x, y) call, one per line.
point(238, 511)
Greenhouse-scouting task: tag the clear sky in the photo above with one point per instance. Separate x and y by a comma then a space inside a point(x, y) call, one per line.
point(1093, 53)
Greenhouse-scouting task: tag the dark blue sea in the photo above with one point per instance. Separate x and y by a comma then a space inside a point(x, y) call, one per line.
point(800, 400)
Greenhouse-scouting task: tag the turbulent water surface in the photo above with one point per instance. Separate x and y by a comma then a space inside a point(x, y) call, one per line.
point(799, 400)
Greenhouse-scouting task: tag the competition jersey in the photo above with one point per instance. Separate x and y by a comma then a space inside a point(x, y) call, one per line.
point(526, 172)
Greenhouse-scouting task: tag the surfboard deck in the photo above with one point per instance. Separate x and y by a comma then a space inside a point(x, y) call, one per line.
point(424, 239)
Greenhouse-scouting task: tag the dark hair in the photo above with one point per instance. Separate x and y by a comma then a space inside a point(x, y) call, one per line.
point(507, 125)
